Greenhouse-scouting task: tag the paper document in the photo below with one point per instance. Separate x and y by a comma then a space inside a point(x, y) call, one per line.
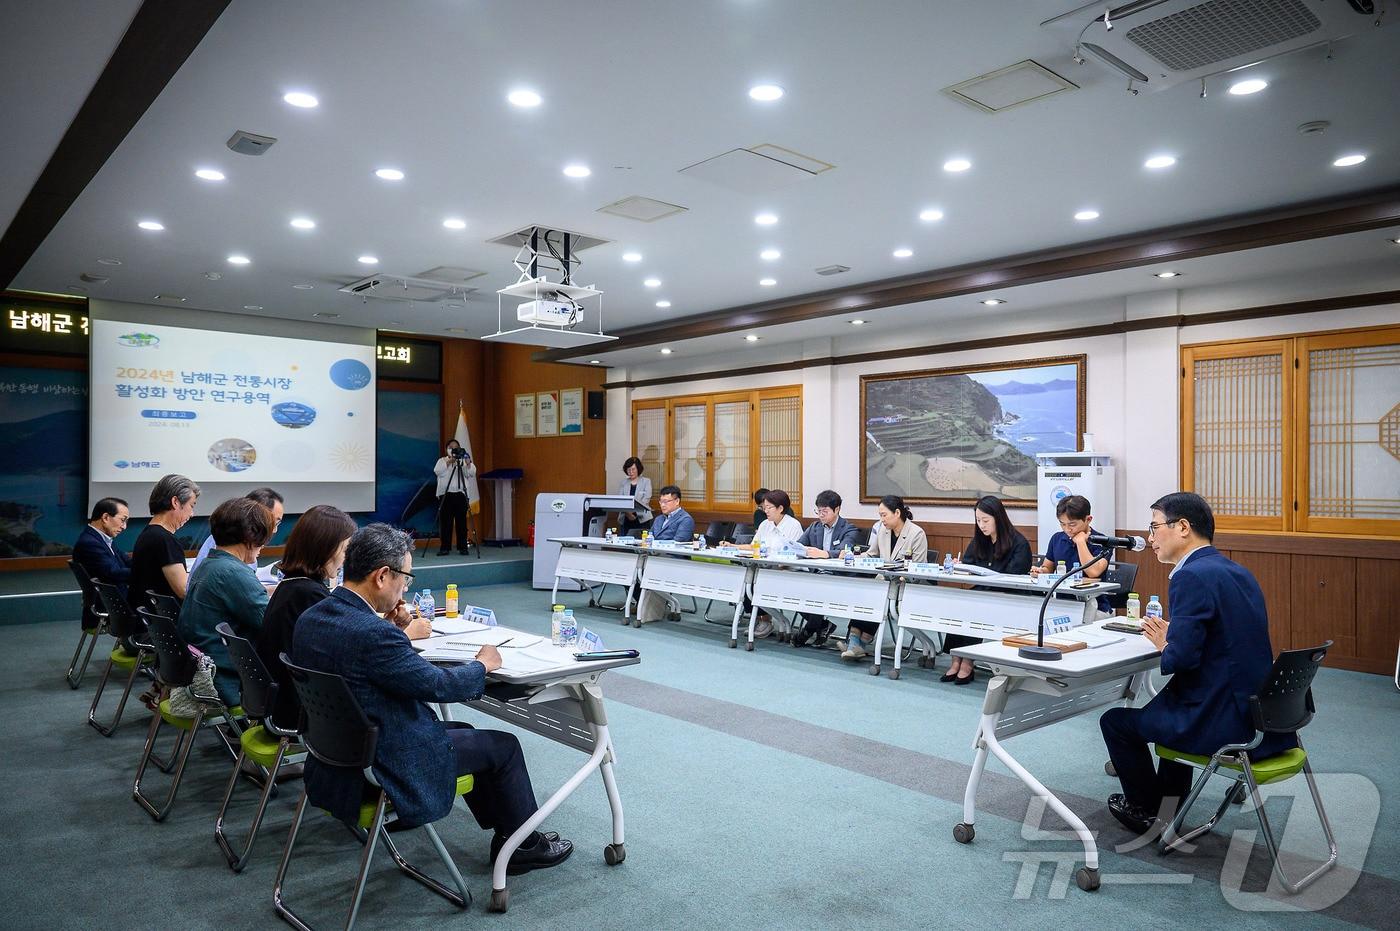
point(1094, 637)
point(494, 636)
point(456, 625)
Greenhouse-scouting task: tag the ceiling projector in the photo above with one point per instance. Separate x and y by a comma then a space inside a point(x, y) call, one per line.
point(548, 312)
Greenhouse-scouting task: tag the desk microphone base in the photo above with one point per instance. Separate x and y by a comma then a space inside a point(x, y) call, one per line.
point(1049, 654)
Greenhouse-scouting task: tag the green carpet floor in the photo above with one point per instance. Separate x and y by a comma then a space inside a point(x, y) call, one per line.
point(775, 789)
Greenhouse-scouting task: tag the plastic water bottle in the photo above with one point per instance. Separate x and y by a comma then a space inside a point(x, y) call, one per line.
point(450, 599)
point(1076, 573)
point(1134, 606)
point(848, 558)
point(947, 562)
point(1154, 607)
point(426, 607)
point(1060, 568)
point(568, 630)
point(556, 626)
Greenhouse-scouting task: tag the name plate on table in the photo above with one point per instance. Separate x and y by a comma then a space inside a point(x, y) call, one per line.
point(869, 562)
point(925, 568)
point(782, 557)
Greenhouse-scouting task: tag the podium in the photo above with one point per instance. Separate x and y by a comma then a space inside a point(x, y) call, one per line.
point(568, 515)
point(503, 482)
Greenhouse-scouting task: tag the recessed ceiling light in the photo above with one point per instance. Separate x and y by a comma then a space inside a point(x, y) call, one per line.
point(173, 298)
point(1166, 274)
point(389, 174)
point(1346, 161)
point(151, 225)
point(631, 256)
point(1160, 161)
point(1396, 240)
point(209, 174)
point(957, 164)
point(652, 282)
point(303, 223)
point(524, 98)
point(903, 253)
point(453, 223)
point(368, 260)
point(767, 282)
point(595, 361)
point(993, 302)
point(857, 322)
point(454, 329)
point(301, 99)
point(214, 276)
point(766, 219)
point(252, 307)
point(666, 350)
point(751, 338)
point(931, 215)
point(770, 255)
point(324, 315)
point(577, 171)
point(1087, 215)
point(238, 260)
point(109, 261)
point(303, 287)
point(766, 92)
point(663, 304)
point(1248, 86)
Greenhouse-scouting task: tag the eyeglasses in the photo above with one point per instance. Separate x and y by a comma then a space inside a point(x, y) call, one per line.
point(407, 575)
point(1152, 527)
point(826, 511)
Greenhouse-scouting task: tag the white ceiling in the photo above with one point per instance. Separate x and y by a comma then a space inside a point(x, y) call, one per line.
point(638, 90)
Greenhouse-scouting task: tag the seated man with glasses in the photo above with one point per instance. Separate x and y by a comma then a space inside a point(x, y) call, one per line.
point(1216, 649)
point(825, 538)
point(674, 523)
point(418, 758)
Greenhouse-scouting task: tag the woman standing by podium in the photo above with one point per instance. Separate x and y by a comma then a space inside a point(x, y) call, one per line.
point(638, 487)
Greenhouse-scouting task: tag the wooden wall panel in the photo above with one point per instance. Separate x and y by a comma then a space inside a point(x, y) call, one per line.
point(1274, 572)
point(1324, 605)
point(551, 463)
point(462, 380)
point(1377, 620)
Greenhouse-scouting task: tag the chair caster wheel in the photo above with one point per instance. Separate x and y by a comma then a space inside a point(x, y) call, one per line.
point(613, 854)
point(874, 670)
point(749, 646)
point(1086, 879)
point(1109, 768)
point(637, 623)
point(964, 833)
point(894, 673)
point(500, 900)
point(733, 644)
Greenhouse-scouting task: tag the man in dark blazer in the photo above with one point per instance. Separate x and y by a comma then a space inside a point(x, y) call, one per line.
point(824, 538)
point(1216, 649)
point(674, 523)
point(418, 759)
point(95, 549)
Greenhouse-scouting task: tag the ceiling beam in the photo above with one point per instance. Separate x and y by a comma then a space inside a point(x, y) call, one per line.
point(161, 36)
point(1294, 223)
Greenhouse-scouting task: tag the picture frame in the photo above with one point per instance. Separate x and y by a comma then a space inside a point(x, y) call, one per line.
point(948, 436)
point(571, 412)
point(547, 413)
point(525, 415)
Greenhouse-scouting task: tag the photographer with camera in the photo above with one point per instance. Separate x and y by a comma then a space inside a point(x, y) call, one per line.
point(455, 472)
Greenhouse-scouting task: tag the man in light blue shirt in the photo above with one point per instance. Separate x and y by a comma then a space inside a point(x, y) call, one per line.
point(674, 523)
point(269, 499)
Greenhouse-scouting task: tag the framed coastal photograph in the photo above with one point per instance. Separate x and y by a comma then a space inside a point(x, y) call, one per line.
point(950, 436)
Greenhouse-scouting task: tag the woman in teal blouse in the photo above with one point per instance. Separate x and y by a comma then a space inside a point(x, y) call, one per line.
point(226, 588)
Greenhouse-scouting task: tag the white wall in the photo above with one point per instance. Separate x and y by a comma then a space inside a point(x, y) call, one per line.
point(1132, 407)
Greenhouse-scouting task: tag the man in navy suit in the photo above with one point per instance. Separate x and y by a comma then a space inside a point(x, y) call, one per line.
point(96, 552)
point(418, 758)
point(1216, 649)
point(674, 523)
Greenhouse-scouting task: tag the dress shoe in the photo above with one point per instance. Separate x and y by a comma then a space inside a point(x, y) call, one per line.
point(967, 679)
point(1135, 819)
point(948, 676)
point(822, 635)
point(444, 552)
point(800, 638)
point(549, 850)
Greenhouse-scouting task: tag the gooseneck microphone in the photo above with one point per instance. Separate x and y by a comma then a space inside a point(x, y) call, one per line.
point(1136, 544)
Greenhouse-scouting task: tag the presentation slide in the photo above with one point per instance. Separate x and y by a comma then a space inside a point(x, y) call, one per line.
point(230, 409)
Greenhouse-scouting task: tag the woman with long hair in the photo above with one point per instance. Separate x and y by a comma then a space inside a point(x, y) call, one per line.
point(995, 545)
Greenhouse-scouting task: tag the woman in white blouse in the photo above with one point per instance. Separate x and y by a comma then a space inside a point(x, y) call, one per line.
point(779, 527)
point(639, 487)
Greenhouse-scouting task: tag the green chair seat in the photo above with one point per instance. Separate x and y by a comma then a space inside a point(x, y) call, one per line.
point(122, 658)
point(91, 631)
point(464, 785)
point(1272, 769)
point(261, 746)
point(236, 711)
point(173, 719)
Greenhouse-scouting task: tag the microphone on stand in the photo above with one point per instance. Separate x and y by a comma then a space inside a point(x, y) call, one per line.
point(1136, 544)
point(1108, 544)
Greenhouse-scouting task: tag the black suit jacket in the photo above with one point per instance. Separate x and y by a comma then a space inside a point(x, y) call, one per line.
point(104, 563)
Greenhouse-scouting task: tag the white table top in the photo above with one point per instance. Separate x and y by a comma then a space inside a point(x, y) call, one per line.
point(526, 659)
point(1133, 649)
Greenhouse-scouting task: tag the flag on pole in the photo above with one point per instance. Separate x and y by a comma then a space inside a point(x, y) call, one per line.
point(462, 437)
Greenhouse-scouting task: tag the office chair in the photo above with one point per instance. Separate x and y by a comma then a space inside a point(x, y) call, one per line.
point(266, 744)
point(164, 605)
point(94, 621)
point(337, 733)
point(131, 653)
point(1284, 705)
point(1125, 575)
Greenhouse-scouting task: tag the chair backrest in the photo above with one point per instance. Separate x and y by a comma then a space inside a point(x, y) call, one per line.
point(164, 605)
point(122, 622)
point(1125, 574)
point(175, 664)
point(334, 727)
point(718, 531)
point(1285, 703)
point(259, 689)
point(92, 608)
point(741, 535)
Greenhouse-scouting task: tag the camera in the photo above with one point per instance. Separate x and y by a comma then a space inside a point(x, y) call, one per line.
point(459, 453)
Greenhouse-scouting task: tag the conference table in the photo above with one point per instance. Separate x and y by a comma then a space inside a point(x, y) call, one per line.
point(542, 689)
point(1025, 695)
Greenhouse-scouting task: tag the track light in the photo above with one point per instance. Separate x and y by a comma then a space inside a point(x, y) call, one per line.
point(1203, 88)
point(1107, 26)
